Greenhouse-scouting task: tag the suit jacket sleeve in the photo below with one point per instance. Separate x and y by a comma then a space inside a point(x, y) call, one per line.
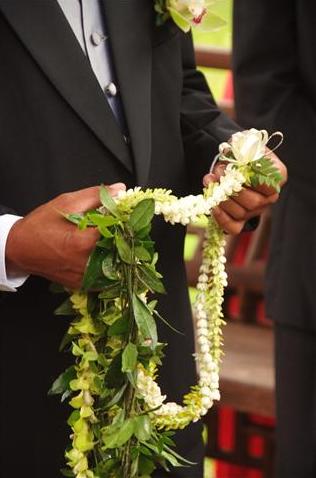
point(203, 125)
point(6, 210)
point(270, 82)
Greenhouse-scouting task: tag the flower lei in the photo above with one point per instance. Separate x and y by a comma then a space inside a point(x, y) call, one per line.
point(121, 423)
point(188, 13)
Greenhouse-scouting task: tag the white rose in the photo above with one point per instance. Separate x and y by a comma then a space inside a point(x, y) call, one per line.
point(249, 145)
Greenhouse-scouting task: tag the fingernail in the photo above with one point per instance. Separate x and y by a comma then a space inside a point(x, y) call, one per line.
point(117, 186)
point(208, 178)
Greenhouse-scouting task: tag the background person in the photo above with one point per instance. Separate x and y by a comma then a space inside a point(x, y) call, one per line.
point(275, 88)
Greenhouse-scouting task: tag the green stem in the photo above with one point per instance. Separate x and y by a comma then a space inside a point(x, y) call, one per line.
point(129, 272)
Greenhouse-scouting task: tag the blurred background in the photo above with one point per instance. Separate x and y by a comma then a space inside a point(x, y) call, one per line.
point(239, 433)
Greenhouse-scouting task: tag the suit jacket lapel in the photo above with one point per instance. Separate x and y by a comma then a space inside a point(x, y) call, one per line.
point(43, 28)
point(129, 23)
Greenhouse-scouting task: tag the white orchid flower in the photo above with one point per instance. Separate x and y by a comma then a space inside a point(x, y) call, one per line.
point(197, 8)
point(192, 13)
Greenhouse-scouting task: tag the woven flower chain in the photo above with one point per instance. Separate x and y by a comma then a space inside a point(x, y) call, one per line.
point(121, 423)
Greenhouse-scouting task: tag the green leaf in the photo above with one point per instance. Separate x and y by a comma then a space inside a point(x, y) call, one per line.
point(144, 232)
point(65, 395)
point(132, 378)
point(183, 461)
point(129, 358)
point(74, 417)
point(111, 291)
point(117, 397)
point(105, 243)
point(106, 468)
point(120, 327)
point(61, 384)
point(142, 253)
point(65, 308)
point(264, 171)
point(107, 201)
point(114, 377)
point(150, 278)
point(143, 428)
point(102, 222)
point(99, 219)
point(55, 288)
point(76, 350)
point(119, 437)
point(67, 339)
point(149, 245)
point(74, 218)
point(93, 305)
point(145, 466)
point(144, 320)
point(110, 314)
point(142, 214)
point(167, 323)
point(90, 356)
point(145, 451)
point(108, 267)
point(93, 271)
point(123, 248)
point(66, 472)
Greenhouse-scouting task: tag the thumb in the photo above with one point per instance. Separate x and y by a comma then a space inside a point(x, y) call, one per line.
point(215, 175)
point(209, 178)
point(85, 199)
point(115, 188)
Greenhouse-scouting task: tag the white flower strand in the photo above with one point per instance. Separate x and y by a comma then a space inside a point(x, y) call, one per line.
point(187, 209)
point(208, 313)
point(244, 148)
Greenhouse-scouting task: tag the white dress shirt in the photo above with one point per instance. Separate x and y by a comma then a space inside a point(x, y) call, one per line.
point(87, 22)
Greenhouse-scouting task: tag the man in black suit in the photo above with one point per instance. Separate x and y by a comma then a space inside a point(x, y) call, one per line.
point(275, 87)
point(59, 133)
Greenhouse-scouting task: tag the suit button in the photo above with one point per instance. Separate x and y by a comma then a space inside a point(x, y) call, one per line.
point(111, 89)
point(127, 140)
point(97, 38)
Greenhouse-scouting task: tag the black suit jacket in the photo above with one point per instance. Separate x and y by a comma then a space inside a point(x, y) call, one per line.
point(57, 134)
point(275, 88)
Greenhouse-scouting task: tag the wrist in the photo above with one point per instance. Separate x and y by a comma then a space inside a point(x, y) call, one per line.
point(14, 264)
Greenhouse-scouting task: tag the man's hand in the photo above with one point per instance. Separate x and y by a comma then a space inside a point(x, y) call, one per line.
point(232, 215)
point(43, 243)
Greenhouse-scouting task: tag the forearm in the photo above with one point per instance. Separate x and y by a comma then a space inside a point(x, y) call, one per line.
point(203, 125)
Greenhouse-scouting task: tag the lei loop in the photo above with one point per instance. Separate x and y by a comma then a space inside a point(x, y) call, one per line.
point(121, 423)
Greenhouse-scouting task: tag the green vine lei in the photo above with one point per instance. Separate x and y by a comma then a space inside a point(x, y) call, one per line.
point(121, 424)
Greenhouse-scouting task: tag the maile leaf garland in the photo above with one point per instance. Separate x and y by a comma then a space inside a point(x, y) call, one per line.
point(121, 425)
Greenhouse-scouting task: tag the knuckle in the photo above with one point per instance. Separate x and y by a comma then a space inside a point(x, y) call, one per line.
point(242, 215)
point(273, 198)
point(65, 199)
point(255, 203)
point(237, 227)
point(86, 240)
